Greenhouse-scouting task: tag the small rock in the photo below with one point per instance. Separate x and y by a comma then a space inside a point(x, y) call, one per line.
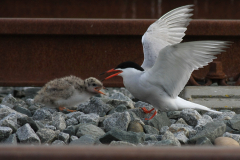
point(46, 135)
point(27, 135)
point(169, 136)
point(225, 114)
point(120, 135)
point(58, 143)
point(71, 121)
point(42, 114)
point(236, 137)
point(173, 114)
point(5, 132)
point(22, 110)
point(225, 141)
point(30, 101)
point(235, 122)
point(50, 127)
point(59, 121)
point(181, 121)
point(202, 122)
point(163, 129)
point(135, 126)
point(63, 137)
point(150, 137)
point(74, 114)
point(9, 101)
point(84, 140)
point(160, 120)
point(71, 130)
point(204, 141)
point(181, 137)
point(210, 130)
point(90, 129)
point(121, 97)
point(188, 130)
point(166, 142)
point(117, 120)
point(89, 118)
point(190, 116)
point(23, 120)
point(12, 139)
point(150, 130)
point(10, 121)
point(96, 105)
point(72, 138)
point(141, 104)
point(121, 143)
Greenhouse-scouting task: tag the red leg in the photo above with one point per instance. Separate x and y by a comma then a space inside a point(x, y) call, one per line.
point(152, 115)
point(147, 111)
point(62, 108)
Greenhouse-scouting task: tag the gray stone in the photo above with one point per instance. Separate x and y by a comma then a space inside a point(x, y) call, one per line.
point(117, 120)
point(27, 135)
point(46, 135)
point(181, 121)
point(12, 139)
point(5, 111)
point(5, 132)
point(150, 130)
point(33, 108)
point(141, 104)
point(210, 130)
point(166, 142)
point(10, 121)
point(23, 120)
point(139, 113)
point(22, 110)
point(121, 97)
point(84, 140)
point(74, 114)
point(63, 137)
point(58, 143)
point(204, 141)
point(72, 138)
point(9, 101)
point(172, 121)
point(170, 136)
point(235, 122)
point(71, 121)
point(181, 137)
point(224, 116)
point(121, 108)
point(50, 127)
point(42, 114)
point(126, 92)
point(89, 129)
point(150, 137)
point(95, 105)
point(59, 121)
point(190, 116)
point(71, 130)
point(233, 136)
point(120, 135)
point(89, 118)
point(188, 130)
point(163, 129)
point(135, 126)
point(30, 101)
point(173, 114)
point(160, 120)
point(121, 143)
point(202, 122)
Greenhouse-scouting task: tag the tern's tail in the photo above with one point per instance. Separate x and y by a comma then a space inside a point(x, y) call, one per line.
point(183, 104)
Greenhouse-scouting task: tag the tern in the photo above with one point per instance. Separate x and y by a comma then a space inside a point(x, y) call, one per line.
point(168, 64)
point(68, 91)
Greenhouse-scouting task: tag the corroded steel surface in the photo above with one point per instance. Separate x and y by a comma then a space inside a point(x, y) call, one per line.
point(118, 153)
point(34, 51)
point(203, 9)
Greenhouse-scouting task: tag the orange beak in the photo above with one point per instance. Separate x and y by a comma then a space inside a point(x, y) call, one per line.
point(98, 91)
point(113, 75)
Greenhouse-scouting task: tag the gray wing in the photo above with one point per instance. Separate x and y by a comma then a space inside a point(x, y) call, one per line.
point(175, 64)
point(167, 30)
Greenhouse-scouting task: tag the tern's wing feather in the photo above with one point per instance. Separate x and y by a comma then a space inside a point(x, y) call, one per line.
point(175, 64)
point(167, 30)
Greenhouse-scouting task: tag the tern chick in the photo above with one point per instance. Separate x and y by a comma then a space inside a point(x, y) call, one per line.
point(168, 64)
point(68, 91)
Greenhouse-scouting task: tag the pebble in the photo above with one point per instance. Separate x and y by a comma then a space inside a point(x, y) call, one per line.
point(89, 129)
point(5, 132)
point(46, 135)
point(225, 141)
point(27, 135)
point(89, 118)
point(204, 141)
point(135, 126)
point(160, 120)
point(190, 116)
point(84, 140)
point(150, 130)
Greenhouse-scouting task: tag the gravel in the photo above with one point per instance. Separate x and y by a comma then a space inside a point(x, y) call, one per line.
point(115, 120)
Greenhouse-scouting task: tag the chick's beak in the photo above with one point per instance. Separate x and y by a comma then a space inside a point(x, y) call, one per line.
point(113, 75)
point(97, 89)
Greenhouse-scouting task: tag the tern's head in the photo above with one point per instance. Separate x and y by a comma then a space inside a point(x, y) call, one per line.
point(125, 68)
point(93, 85)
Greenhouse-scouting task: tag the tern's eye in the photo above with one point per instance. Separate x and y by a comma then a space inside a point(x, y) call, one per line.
point(94, 84)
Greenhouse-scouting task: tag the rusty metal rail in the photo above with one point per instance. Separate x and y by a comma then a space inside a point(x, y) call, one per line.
point(118, 153)
point(34, 51)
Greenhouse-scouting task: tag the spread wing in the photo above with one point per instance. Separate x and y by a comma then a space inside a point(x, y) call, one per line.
point(175, 64)
point(167, 30)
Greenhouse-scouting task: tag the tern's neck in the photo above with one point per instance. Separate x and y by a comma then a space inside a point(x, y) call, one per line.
point(130, 73)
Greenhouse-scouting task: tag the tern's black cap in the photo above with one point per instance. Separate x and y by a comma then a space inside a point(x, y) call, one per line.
point(129, 64)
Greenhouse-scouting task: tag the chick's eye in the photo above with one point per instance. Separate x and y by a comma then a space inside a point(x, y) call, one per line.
point(94, 84)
